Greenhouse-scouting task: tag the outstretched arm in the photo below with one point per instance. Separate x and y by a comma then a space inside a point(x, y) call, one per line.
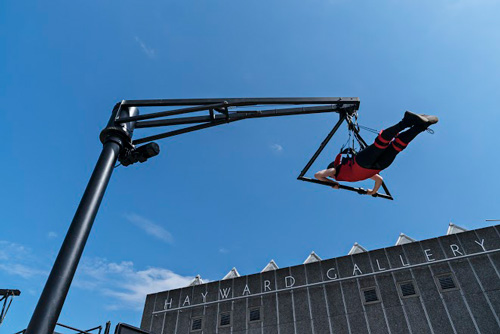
point(323, 175)
point(378, 182)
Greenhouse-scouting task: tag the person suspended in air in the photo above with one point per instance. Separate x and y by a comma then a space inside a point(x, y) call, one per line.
point(369, 162)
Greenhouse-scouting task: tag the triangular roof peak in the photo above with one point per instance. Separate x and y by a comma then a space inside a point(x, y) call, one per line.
point(313, 257)
point(196, 281)
point(270, 266)
point(452, 229)
point(233, 273)
point(357, 248)
point(404, 239)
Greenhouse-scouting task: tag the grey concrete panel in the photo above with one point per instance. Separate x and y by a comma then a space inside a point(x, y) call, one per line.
point(470, 242)
point(301, 305)
point(157, 323)
point(159, 301)
point(147, 314)
point(170, 322)
point(226, 286)
point(494, 297)
point(299, 274)
point(396, 257)
point(239, 320)
point(495, 259)
point(225, 306)
point(362, 262)
point(440, 268)
point(318, 302)
point(285, 308)
point(388, 291)
point(197, 311)
point(402, 275)
point(345, 266)
point(254, 301)
point(465, 276)
point(334, 299)
point(239, 284)
point(183, 322)
point(211, 318)
point(198, 290)
point(281, 274)
point(270, 329)
point(485, 272)
point(367, 282)
point(414, 253)
point(484, 317)
point(416, 316)
point(429, 293)
point(186, 296)
point(268, 277)
point(224, 330)
point(432, 250)
point(379, 260)
point(452, 246)
point(459, 314)
point(254, 283)
point(287, 328)
point(269, 313)
point(329, 268)
point(490, 236)
point(321, 325)
point(357, 323)
point(313, 272)
point(303, 327)
point(255, 330)
point(212, 291)
point(396, 319)
point(352, 296)
point(376, 319)
point(339, 324)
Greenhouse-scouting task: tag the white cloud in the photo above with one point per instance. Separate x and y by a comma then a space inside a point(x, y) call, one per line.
point(150, 52)
point(52, 235)
point(276, 148)
point(223, 250)
point(19, 260)
point(122, 282)
point(150, 228)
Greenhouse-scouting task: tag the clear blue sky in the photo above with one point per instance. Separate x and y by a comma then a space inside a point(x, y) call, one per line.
point(227, 196)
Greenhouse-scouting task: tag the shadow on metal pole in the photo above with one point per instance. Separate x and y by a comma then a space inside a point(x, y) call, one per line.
point(114, 137)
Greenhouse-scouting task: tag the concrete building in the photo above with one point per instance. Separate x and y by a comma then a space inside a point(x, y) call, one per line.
point(449, 284)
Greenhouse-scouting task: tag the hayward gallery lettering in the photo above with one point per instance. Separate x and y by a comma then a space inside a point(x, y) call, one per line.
point(331, 274)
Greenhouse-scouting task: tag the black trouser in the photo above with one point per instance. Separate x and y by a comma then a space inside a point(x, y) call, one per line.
point(386, 147)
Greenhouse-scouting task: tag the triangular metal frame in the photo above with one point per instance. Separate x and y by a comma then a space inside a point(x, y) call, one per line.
point(359, 190)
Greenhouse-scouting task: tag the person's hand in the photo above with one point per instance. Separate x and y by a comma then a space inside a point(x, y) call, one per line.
point(370, 192)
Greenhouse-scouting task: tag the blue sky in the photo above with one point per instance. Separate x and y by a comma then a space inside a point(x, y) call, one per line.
point(227, 196)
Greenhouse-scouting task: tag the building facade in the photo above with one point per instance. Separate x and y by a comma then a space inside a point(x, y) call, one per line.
point(449, 284)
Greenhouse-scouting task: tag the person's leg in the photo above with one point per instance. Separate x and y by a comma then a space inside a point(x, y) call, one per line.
point(399, 143)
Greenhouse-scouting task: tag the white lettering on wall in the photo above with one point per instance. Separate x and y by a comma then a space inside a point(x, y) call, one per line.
point(289, 281)
point(454, 249)
point(186, 301)
point(168, 304)
point(246, 290)
point(378, 265)
point(356, 268)
point(428, 255)
point(481, 244)
point(403, 262)
point(267, 285)
point(328, 274)
point(224, 293)
point(204, 295)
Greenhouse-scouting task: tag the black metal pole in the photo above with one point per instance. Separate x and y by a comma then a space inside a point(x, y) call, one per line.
point(114, 138)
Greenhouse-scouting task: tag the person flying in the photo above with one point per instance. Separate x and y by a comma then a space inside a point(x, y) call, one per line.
point(367, 163)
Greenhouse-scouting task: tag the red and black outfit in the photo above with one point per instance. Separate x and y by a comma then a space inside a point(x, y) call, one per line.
point(376, 157)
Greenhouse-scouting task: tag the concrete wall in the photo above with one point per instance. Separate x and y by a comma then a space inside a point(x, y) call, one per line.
point(327, 296)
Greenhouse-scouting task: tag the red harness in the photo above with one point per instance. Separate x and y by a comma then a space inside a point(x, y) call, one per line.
point(350, 171)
